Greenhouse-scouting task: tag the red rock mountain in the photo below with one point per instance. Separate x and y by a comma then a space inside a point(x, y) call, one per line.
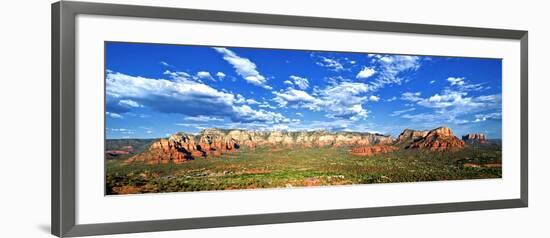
point(408, 136)
point(372, 150)
point(475, 138)
point(181, 147)
point(439, 139)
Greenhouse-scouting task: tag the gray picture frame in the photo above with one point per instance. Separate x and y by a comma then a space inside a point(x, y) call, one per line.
point(64, 133)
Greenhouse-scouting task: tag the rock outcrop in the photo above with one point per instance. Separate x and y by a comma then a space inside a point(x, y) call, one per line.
point(409, 136)
point(182, 147)
point(372, 150)
point(439, 139)
point(474, 138)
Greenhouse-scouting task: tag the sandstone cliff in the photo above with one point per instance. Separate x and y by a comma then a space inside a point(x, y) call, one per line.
point(408, 136)
point(473, 138)
point(439, 139)
point(181, 147)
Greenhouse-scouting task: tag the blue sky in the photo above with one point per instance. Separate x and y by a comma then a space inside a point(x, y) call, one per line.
point(154, 90)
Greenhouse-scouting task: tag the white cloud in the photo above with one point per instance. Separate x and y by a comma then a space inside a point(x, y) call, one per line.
point(391, 68)
point(202, 118)
point(123, 131)
point(344, 100)
point(114, 115)
point(461, 84)
point(165, 64)
point(391, 99)
point(296, 98)
point(455, 81)
point(176, 75)
point(374, 98)
point(489, 116)
point(244, 67)
point(245, 113)
point(220, 75)
point(128, 103)
point(450, 105)
point(365, 73)
point(399, 112)
point(330, 63)
point(432, 82)
point(204, 75)
point(288, 82)
point(299, 114)
point(300, 82)
point(182, 96)
point(410, 96)
point(251, 101)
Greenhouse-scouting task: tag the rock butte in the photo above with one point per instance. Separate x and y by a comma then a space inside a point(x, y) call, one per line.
point(439, 139)
point(475, 138)
point(181, 147)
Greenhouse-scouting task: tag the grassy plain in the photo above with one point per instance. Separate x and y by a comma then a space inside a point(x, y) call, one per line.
point(294, 167)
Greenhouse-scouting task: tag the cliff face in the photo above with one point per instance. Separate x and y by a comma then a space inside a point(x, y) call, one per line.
point(181, 147)
point(439, 139)
point(409, 136)
point(475, 138)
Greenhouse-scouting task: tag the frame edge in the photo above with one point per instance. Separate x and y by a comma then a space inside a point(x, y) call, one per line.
point(55, 120)
point(524, 97)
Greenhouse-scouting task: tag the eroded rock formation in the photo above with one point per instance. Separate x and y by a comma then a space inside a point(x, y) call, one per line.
point(439, 139)
point(475, 138)
point(372, 150)
point(182, 147)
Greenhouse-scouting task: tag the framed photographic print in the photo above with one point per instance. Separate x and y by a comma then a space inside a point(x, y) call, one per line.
point(158, 114)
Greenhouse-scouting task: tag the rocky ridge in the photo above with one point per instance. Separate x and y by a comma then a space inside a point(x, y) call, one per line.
point(181, 147)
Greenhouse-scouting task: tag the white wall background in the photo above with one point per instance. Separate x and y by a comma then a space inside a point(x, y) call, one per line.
point(25, 118)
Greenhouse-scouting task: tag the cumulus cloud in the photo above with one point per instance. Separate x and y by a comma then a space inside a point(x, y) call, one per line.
point(374, 98)
point(204, 75)
point(391, 99)
point(296, 98)
point(489, 116)
point(410, 96)
point(339, 101)
point(244, 67)
point(330, 63)
point(182, 96)
point(114, 115)
point(300, 82)
point(461, 84)
point(345, 100)
point(365, 73)
point(450, 105)
point(128, 103)
point(177, 75)
point(391, 68)
point(220, 75)
point(455, 81)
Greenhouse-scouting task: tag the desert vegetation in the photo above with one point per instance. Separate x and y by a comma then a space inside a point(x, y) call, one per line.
point(225, 160)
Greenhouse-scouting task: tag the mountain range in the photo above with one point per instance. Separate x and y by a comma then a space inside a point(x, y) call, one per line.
point(181, 147)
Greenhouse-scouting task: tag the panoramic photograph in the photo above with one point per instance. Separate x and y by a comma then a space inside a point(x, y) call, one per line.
point(183, 118)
